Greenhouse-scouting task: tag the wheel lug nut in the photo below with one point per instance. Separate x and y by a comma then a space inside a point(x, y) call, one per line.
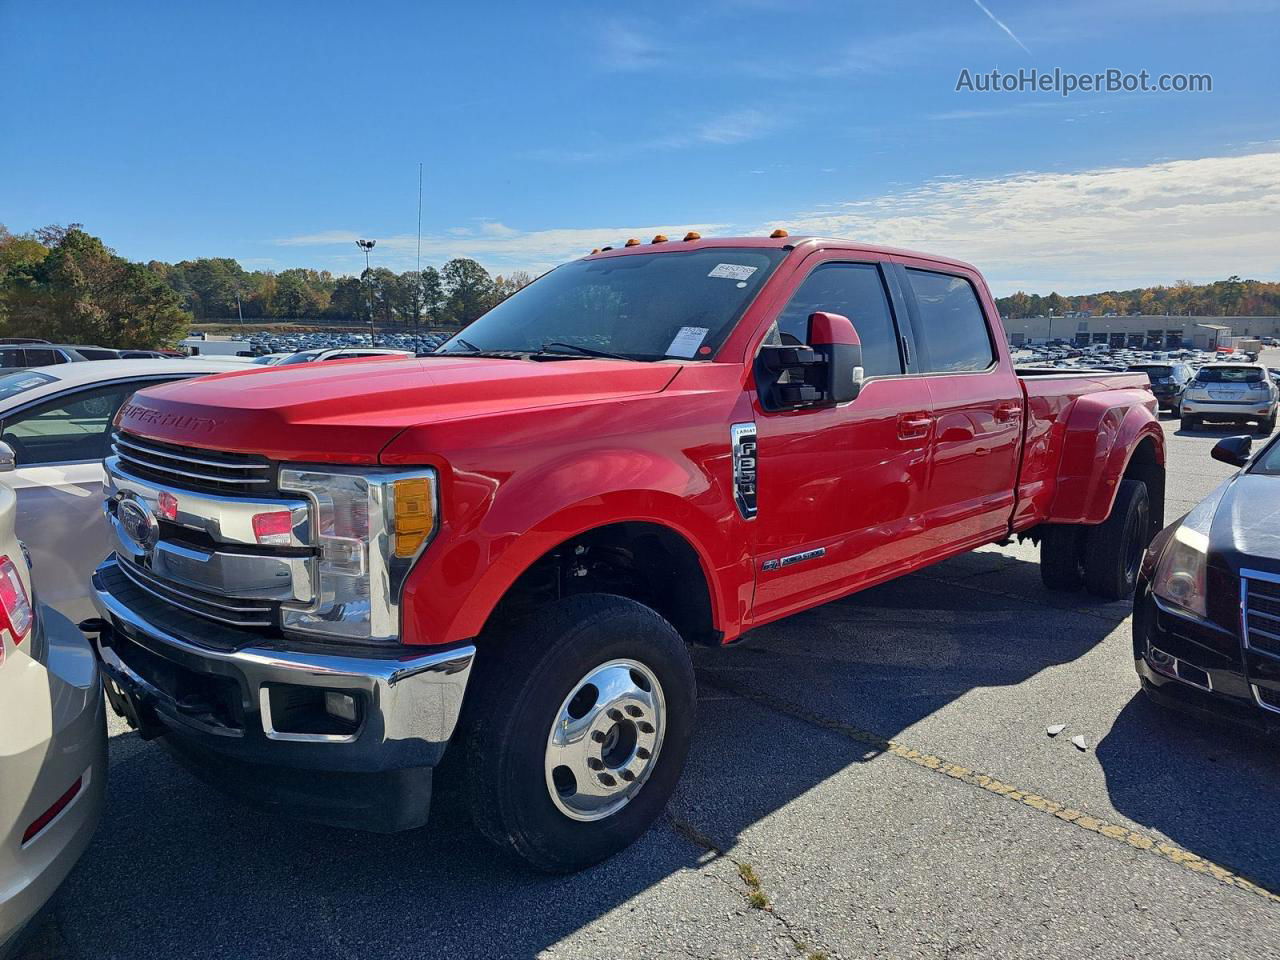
point(615, 714)
point(597, 736)
point(645, 727)
point(642, 753)
point(628, 776)
point(594, 763)
point(608, 780)
point(634, 711)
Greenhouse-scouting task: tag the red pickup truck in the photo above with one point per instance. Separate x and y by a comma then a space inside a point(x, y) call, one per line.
point(325, 574)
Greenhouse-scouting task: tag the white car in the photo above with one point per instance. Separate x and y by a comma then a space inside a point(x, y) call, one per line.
point(340, 353)
point(55, 430)
point(53, 741)
point(1238, 392)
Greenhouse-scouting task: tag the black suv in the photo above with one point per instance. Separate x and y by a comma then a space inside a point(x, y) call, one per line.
point(1168, 380)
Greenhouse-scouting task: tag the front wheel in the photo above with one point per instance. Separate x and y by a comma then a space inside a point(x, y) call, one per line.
point(1267, 427)
point(578, 730)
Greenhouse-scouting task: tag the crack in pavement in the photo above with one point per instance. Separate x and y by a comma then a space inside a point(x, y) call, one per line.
point(755, 895)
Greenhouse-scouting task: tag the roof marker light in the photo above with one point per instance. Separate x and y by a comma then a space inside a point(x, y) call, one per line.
point(659, 238)
point(778, 234)
point(633, 242)
point(595, 251)
point(692, 235)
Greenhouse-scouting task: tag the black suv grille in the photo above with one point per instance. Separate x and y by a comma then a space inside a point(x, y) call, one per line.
point(192, 468)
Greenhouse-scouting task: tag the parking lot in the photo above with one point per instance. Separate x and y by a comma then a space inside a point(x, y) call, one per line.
point(869, 778)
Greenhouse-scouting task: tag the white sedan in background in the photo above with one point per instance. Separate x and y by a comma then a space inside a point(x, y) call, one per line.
point(55, 429)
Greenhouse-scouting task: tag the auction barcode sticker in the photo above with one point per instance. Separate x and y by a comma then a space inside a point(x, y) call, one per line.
point(732, 271)
point(687, 341)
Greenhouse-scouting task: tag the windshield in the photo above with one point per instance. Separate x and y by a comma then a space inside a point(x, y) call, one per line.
point(1229, 375)
point(1152, 371)
point(12, 384)
point(1268, 461)
point(640, 307)
point(303, 357)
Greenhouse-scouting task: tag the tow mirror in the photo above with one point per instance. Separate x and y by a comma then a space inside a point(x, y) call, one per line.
point(833, 338)
point(1233, 450)
point(8, 459)
point(826, 371)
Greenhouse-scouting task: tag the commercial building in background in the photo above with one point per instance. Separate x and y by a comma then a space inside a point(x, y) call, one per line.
point(1149, 332)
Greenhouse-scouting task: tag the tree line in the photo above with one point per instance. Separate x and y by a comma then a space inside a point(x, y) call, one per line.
point(1232, 297)
point(216, 288)
point(65, 285)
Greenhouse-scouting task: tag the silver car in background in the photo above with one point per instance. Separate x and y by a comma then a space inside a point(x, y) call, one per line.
point(53, 741)
point(1236, 392)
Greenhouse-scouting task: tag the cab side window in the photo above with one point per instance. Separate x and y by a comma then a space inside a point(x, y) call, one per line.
point(856, 291)
point(950, 326)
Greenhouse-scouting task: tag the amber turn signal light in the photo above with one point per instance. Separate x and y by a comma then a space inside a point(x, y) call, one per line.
point(778, 234)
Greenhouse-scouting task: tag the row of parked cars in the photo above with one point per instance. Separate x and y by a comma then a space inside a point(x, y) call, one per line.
point(1195, 385)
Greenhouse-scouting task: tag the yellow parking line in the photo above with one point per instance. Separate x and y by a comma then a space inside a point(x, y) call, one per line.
point(1116, 833)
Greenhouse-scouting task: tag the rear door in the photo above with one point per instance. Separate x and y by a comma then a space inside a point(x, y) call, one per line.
point(977, 406)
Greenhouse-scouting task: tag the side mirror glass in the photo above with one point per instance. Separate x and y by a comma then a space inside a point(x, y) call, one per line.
point(8, 459)
point(1233, 450)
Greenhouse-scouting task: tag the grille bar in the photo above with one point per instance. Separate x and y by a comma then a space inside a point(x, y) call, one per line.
point(1259, 601)
point(233, 473)
point(236, 615)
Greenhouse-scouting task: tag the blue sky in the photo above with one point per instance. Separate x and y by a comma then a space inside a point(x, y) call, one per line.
point(278, 132)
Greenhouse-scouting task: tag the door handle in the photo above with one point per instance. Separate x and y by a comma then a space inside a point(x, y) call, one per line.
point(914, 426)
point(1008, 411)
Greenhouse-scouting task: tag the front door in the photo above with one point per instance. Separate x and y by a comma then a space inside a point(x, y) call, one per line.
point(840, 489)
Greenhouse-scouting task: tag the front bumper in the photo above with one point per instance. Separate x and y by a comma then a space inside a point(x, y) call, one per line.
point(242, 714)
point(53, 735)
point(1198, 667)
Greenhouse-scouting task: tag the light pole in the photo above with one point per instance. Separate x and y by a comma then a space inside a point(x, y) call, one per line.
point(366, 246)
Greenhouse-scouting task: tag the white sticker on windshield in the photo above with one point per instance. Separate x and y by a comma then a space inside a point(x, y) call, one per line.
point(687, 341)
point(732, 271)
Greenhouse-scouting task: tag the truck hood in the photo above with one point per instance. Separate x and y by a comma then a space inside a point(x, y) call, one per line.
point(346, 411)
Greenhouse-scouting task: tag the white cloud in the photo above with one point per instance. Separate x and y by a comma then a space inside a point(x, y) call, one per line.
point(625, 46)
point(1113, 227)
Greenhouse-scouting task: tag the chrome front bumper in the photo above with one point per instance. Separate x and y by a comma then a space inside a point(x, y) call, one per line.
point(215, 703)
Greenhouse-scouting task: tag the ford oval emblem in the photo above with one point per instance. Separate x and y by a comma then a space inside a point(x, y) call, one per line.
point(138, 524)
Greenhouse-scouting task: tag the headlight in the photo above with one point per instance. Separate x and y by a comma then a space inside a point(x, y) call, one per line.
point(1180, 575)
point(370, 527)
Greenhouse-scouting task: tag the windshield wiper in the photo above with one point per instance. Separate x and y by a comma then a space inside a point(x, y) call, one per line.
point(585, 351)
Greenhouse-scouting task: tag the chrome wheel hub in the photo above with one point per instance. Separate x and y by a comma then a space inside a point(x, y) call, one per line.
point(605, 739)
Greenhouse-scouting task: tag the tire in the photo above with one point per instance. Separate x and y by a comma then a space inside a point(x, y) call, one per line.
point(1267, 427)
point(1113, 549)
point(520, 799)
point(1188, 422)
point(1062, 556)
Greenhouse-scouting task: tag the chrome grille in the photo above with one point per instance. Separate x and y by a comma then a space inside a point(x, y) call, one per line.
point(236, 613)
point(192, 467)
point(1260, 610)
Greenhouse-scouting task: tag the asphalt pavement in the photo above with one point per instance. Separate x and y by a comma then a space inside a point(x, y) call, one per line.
point(870, 778)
